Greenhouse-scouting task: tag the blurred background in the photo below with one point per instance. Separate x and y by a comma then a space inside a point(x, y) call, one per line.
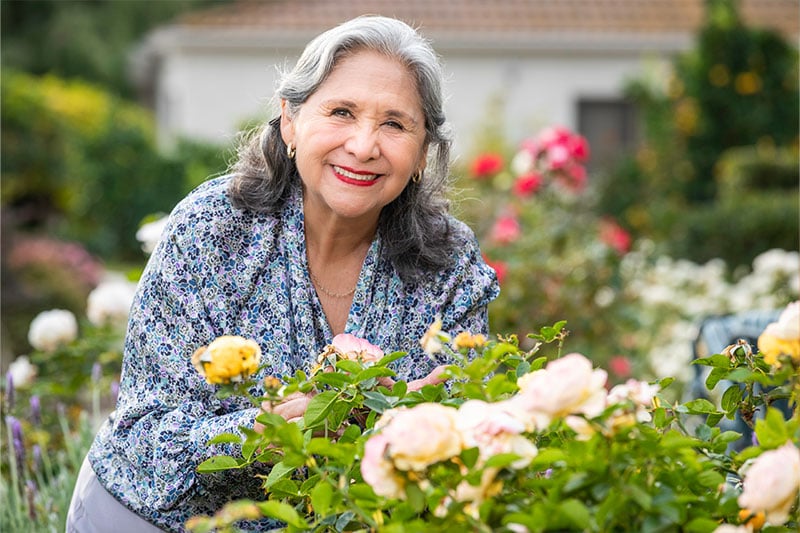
point(629, 166)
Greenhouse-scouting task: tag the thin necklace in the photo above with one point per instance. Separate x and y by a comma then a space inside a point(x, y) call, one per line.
point(331, 293)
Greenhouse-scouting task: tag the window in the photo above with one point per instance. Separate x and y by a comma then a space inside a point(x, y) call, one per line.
point(611, 128)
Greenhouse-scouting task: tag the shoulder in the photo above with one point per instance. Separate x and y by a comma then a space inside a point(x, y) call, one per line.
point(207, 219)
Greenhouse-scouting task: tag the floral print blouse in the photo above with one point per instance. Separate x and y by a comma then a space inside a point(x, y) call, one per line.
point(223, 271)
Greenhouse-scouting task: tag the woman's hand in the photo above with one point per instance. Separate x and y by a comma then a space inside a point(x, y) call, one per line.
point(292, 408)
point(434, 378)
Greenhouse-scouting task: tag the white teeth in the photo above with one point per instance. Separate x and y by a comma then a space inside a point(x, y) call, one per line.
point(352, 176)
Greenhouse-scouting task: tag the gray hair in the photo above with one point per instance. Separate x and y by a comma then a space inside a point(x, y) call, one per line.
point(415, 229)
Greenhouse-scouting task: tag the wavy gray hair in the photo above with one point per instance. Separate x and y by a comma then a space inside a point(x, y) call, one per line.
point(414, 228)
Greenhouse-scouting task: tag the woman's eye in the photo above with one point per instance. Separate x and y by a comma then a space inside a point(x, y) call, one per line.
point(395, 125)
point(342, 112)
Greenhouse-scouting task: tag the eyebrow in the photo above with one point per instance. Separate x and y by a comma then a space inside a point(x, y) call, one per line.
point(391, 113)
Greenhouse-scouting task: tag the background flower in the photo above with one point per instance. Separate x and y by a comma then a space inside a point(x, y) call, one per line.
point(110, 302)
point(51, 329)
point(772, 483)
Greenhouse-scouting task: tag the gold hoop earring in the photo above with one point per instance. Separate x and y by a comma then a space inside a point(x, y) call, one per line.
point(291, 150)
point(416, 177)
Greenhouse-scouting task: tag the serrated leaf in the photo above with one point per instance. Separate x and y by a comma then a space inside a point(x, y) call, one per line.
point(716, 360)
point(218, 463)
point(700, 406)
point(319, 407)
point(731, 399)
point(390, 358)
point(374, 372)
point(279, 471)
point(225, 438)
point(283, 512)
point(334, 379)
point(321, 497)
point(354, 367)
point(771, 430)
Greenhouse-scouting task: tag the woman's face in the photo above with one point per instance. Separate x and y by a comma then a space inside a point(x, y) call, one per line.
point(359, 137)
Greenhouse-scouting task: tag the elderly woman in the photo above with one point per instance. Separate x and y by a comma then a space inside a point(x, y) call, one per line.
point(333, 219)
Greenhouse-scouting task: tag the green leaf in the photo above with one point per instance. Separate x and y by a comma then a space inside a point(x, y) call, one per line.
point(771, 430)
point(501, 460)
point(577, 513)
point(225, 438)
point(701, 525)
point(731, 399)
point(334, 379)
point(354, 367)
point(376, 401)
point(700, 406)
point(470, 456)
point(538, 363)
point(218, 463)
point(499, 350)
point(374, 372)
point(716, 360)
point(415, 497)
point(279, 471)
point(710, 479)
point(715, 376)
point(321, 497)
point(399, 389)
point(390, 358)
point(283, 512)
point(319, 407)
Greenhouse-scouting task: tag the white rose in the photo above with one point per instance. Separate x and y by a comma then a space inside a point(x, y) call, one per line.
point(150, 234)
point(51, 329)
point(771, 483)
point(110, 302)
point(22, 372)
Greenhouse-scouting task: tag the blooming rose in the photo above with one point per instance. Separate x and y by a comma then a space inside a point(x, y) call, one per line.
point(51, 329)
point(110, 302)
point(505, 230)
point(22, 372)
point(565, 386)
point(422, 435)
point(467, 340)
point(487, 165)
point(150, 234)
point(493, 429)
point(228, 359)
point(782, 337)
point(527, 184)
point(640, 393)
point(354, 348)
point(500, 268)
point(772, 482)
point(614, 236)
point(378, 471)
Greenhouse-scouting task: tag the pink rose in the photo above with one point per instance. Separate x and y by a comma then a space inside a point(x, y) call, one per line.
point(772, 482)
point(356, 349)
point(613, 235)
point(506, 230)
point(528, 184)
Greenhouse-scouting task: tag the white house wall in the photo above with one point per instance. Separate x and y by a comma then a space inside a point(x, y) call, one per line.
point(208, 94)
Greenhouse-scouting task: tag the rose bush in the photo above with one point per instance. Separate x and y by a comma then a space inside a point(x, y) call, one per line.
point(521, 439)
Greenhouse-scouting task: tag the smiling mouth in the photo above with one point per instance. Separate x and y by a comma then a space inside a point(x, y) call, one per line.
point(354, 176)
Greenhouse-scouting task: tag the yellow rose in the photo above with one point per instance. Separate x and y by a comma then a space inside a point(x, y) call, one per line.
point(782, 337)
point(228, 359)
point(467, 340)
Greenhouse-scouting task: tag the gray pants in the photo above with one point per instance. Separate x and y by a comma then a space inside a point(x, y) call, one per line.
point(94, 510)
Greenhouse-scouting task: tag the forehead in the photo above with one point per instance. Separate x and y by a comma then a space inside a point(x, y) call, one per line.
point(370, 70)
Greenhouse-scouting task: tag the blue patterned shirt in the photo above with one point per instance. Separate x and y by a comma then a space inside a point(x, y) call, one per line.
point(223, 271)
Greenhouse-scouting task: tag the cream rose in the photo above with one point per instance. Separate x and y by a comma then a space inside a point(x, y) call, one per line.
point(379, 472)
point(23, 373)
point(771, 484)
point(110, 302)
point(422, 435)
point(564, 387)
point(494, 430)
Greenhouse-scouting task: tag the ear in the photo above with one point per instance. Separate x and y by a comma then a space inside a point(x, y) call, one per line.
point(423, 163)
point(287, 123)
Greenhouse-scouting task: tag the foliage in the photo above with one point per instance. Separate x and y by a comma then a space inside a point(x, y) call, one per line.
point(735, 90)
point(554, 256)
point(83, 163)
point(85, 39)
point(638, 463)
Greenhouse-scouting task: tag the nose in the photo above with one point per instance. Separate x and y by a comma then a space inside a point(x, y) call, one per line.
point(362, 142)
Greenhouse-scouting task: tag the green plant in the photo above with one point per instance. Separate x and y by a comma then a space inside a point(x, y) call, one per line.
point(518, 441)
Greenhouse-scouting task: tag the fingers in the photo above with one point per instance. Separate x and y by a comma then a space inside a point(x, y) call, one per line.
point(434, 378)
point(291, 408)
